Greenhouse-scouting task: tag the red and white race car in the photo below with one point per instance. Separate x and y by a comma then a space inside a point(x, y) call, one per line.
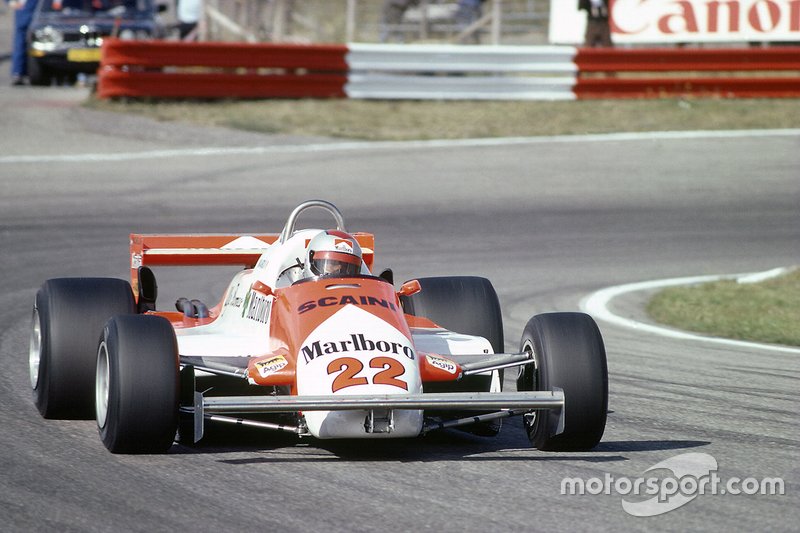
point(306, 340)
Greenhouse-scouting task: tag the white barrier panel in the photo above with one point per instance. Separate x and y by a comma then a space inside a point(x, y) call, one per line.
point(454, 72)
point(683, 21)
point(400, 87)
point(457, 58)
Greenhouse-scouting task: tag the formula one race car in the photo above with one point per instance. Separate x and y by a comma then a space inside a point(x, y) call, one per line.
point(306, 340)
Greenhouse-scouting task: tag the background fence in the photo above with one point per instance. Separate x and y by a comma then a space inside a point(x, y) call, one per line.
point(326, 21)
point(238, 70)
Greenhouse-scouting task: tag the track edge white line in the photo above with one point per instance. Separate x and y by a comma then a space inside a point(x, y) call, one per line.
point(342, 146)
point(597, 305)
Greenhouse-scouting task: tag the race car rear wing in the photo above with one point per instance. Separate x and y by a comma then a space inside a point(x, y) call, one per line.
point(212, 250)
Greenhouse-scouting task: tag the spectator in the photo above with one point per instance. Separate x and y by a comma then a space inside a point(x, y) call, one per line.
point(598, 29)
point(392, 17)
point(23, 14)
point(188, 14)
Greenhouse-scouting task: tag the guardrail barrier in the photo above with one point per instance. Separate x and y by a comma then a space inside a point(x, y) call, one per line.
point(737, 72)
point(167, 69)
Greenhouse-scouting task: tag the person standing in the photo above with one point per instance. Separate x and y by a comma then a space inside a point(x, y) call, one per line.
point(598, 28)
point(188, 15)
point(23, 15)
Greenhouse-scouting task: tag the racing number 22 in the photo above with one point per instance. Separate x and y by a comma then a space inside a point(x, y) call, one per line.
point(349, 367)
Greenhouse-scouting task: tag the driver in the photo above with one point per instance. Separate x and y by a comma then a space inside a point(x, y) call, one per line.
point(333, 253)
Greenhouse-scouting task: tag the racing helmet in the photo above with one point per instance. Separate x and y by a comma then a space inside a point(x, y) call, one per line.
point(333, 253)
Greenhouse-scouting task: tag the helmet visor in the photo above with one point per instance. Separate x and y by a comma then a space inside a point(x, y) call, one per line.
point(328, 263)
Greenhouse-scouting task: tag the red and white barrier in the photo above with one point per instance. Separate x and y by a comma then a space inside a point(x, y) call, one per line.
point(724, 72)
point(172, 69)
point(166, 69)
point(456, 72)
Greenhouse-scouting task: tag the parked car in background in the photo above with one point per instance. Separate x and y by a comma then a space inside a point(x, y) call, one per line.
point(65, 36)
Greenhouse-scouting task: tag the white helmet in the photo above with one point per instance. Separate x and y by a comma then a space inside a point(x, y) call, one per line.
point(333, 253)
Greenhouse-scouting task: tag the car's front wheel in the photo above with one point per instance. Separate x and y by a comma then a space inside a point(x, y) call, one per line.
point(137, 385)
point(570, 355)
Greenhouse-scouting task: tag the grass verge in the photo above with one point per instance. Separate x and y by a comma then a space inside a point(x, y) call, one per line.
point(768, 311)
point(405, 120)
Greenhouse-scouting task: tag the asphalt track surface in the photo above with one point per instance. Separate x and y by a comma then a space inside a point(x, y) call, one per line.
point(548, 221)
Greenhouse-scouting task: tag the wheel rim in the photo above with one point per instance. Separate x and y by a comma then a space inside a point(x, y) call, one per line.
point(35, 350)
point(102, 385)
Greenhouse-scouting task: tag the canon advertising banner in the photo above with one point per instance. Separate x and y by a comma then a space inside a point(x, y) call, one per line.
point(683, 21)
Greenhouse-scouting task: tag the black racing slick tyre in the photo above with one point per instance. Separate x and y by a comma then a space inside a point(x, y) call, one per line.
point(570, 355)
point(464, 304)
point(68, 315)
point(137, 385)
point(468, 305)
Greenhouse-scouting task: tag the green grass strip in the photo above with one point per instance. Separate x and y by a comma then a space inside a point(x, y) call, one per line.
point(768, 311)
point(407, 120)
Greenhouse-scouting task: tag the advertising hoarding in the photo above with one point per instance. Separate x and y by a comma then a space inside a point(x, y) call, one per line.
point(683, 21)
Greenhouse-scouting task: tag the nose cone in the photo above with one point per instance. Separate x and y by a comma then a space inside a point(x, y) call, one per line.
point(354, 352)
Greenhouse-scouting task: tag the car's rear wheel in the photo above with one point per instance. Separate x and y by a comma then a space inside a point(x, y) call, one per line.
point(137, 385)
point(68, 315)
point(570, 355)
point(468, 305)
point(464, 304)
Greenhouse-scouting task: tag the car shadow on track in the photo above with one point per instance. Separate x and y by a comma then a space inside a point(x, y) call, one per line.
point(648, 445)
point(448, 445)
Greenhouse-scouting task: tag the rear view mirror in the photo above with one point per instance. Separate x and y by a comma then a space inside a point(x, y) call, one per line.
point(409, 288)
point(263, 288)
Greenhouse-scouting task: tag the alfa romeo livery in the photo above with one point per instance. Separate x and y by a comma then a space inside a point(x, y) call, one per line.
point(308, 340)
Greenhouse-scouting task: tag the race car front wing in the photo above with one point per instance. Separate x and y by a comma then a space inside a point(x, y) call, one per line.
point(500, 404)
point(504, 404)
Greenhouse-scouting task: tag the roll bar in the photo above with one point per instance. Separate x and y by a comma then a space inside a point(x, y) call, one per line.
point(288, 230)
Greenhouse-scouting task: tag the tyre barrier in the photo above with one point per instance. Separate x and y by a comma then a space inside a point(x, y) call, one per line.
point(169, 69)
